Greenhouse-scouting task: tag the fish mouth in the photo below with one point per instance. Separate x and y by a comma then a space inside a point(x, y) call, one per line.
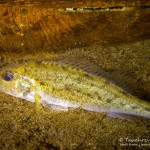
point(12, 93)
point(29, 96)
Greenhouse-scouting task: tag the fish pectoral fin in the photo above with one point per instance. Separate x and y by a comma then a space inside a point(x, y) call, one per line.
point(54, 106)
point(37, 99)
point(120, 116)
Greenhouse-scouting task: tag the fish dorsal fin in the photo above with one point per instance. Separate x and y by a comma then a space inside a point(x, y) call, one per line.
point(126, 80)
point(80, 63)
point(119, 78)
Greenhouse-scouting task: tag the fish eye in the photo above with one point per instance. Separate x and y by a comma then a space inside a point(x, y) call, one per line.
point(7, 75)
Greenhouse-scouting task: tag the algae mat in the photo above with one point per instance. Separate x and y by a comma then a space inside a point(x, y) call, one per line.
point(124, 45)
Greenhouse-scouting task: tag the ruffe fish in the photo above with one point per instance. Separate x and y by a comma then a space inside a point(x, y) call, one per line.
point(63, 83)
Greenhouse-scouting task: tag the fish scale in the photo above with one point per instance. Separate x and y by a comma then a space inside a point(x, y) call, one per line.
point(72, 82)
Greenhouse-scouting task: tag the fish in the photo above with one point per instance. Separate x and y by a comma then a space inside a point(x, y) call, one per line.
point(72, 82)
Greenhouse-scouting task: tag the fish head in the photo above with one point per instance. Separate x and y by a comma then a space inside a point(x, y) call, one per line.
point(14, 82)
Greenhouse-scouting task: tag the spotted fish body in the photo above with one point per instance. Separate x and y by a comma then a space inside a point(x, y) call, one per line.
point(61, 84)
